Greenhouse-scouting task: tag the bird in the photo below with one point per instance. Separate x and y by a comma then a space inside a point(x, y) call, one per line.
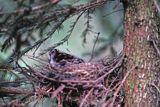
point(60, 59)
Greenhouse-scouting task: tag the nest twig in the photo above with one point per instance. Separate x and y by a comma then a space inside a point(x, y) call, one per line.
point(86, 84)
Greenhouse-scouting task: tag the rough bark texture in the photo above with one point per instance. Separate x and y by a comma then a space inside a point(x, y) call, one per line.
point(141, 33)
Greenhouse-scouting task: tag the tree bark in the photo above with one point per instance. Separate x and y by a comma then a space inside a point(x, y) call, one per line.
point(141, 43)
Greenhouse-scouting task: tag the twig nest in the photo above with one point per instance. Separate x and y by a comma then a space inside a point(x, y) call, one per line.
point(84, 83)
point(81, 69)
point(71, 73)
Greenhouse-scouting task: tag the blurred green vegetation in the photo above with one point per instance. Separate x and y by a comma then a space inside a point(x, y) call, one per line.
point(109, 26)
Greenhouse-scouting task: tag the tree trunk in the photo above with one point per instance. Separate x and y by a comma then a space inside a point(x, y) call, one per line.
point(141, 43)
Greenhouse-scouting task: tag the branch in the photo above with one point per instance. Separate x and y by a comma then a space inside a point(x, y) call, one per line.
point(32, 9)
point(93, 49)
point(66, 13)
point(63, 40)
point(80, 8)
point(39, 42)
point(14, 90)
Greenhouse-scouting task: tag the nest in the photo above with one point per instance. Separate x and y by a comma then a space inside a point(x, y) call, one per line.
point(87, 84)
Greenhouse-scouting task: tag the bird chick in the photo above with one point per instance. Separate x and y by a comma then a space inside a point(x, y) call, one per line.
point(59, 58)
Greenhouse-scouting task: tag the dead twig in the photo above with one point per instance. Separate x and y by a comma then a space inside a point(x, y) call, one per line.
point(118, 64)
point(84, 100)
point(58, 90)
point(158, 89)
point(157, 6)
point(14, 90)
point(156, 47)
point(122, 82)
point(92, 55)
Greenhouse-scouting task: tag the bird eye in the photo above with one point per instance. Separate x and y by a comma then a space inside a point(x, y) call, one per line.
point(53, 51)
